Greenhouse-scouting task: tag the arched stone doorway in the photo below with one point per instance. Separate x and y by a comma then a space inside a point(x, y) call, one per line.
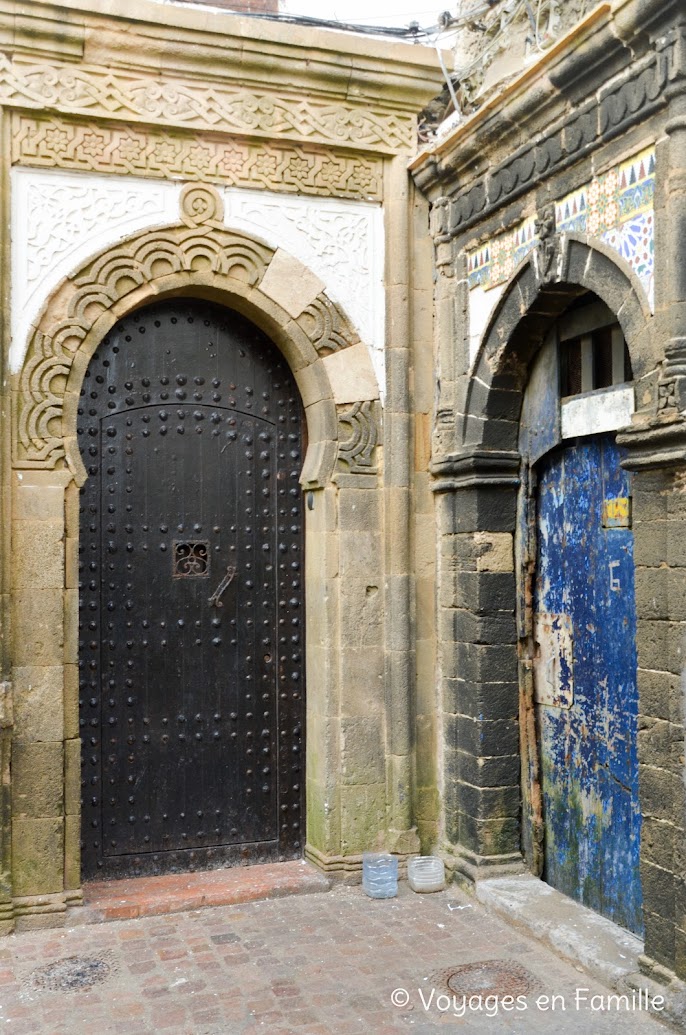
point(191, 575)
point(489, 544)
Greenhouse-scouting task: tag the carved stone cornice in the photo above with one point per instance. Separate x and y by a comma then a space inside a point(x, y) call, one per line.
point(140, 61)
point(472, 468)
point(92, 90)
point(632, 96)
point(660, 442)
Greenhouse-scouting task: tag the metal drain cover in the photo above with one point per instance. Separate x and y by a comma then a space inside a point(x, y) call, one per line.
point(491, 977)
point(70, 974)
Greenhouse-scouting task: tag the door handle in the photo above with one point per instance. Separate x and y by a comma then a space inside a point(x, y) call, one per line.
point(215, 599)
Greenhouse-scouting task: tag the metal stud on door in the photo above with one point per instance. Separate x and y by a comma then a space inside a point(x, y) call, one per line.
point(191, 677)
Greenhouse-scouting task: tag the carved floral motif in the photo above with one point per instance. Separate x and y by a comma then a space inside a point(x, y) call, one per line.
point(58, 143)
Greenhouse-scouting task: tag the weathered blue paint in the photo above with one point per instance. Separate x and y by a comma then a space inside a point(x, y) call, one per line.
point(589, 764)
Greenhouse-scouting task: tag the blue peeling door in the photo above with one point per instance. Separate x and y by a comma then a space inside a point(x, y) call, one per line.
point(585, 679)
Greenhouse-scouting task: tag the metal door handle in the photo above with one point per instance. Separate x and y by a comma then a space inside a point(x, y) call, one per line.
point(215, 599)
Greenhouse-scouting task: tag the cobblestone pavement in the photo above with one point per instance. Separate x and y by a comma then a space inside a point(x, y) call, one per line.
point(318, 964)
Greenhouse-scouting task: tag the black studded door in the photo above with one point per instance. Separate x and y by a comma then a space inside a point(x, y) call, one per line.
point(191, 596)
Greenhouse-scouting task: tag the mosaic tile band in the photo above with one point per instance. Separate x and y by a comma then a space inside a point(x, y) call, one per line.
point(616, 208)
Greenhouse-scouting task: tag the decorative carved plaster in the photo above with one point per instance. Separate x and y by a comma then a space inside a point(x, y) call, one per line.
point(121, 277)
point(358, 439)
point(326, 326)
point(341, 241)
point(97, 92)
point(53, 142)
point(59, 220)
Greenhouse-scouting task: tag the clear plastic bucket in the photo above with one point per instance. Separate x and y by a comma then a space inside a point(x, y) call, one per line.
point(426, 873)
point(379, 875)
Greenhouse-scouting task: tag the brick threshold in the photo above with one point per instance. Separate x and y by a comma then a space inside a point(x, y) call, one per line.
point(176, 893)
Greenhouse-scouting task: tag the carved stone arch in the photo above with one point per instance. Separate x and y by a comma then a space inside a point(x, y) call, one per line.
point(198, 256)
point(531, 303)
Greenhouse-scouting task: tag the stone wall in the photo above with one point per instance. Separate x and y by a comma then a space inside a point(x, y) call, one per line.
point(263, 167)
point(511, 253)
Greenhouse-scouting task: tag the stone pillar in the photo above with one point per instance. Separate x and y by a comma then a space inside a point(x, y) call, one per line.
point(45, 623)
point(398, 468)
point(477, 643)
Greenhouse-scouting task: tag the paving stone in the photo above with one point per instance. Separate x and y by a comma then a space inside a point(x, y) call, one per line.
point(318, 964)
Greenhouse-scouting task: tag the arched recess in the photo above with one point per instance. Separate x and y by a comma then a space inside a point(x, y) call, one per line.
point(530, 304)
point(198, 256)
point(479, 486)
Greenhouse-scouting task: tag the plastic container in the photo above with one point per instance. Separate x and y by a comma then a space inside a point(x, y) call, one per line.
point(379, 875)
point(426, 873)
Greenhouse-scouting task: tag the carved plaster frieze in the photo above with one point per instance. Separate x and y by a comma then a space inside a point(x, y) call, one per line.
point(56, 143)
point(341, 241)
point(59, 220)
point(197, 250)
point(98, 92)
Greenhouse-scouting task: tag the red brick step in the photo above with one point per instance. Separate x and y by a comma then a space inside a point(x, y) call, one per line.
point(175, 893)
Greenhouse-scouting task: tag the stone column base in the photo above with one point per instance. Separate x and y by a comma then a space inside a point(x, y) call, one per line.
point(36, 912)
point(466, 867)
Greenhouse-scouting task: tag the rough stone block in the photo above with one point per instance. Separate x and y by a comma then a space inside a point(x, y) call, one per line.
point(483, 701)
point(657, 841)
point(351, 374)
point(486, 592)
point(486, 509)
point(290, 284)
point(497, 836)
point(72, 777)
point(362, 750)
point(71, 701)
point(37, 628)
point(37, 554)
point(652, 593)
point(660, 645)
point(658, 890)
point(484, 738)
point(32, 502)
point(661, 744)
point(659, 939)
point(37, 856)
point(660, 695)
point(37, 780)
point(497, 771)
point(484, 629)
point(486, 662)
point(38, 703)
point(72, 852)
point(363, 817)
point(359, 510)
point(662, 794)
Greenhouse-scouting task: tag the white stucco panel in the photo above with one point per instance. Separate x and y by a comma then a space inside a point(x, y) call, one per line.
point(341, 241)
point(481, 308)
point(60, 219)
point(598, 411)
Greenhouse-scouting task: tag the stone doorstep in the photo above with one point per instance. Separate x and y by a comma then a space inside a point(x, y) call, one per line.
point(606, 951)
point(175, 893)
